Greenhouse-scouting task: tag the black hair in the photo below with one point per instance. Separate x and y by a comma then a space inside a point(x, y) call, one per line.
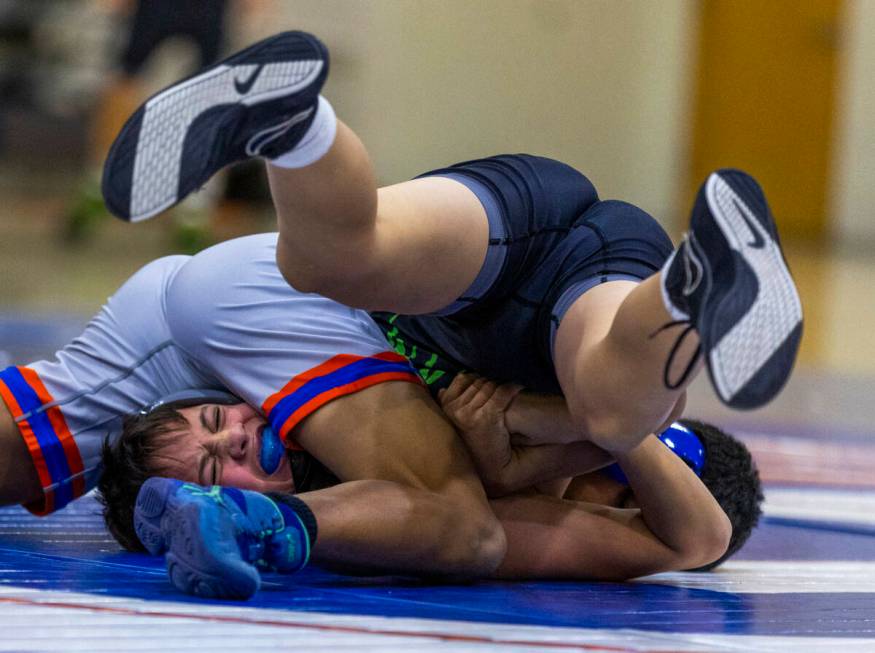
point(732, 478)
point(128, 462)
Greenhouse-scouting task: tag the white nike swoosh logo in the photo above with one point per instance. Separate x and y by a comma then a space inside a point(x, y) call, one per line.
point(758, 234)
point(776, 310)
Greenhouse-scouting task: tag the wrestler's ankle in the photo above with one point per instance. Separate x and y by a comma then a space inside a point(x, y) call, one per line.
point(315, 143)
point(291, 505)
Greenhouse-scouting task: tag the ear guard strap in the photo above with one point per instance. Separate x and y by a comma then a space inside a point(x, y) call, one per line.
point(192, 397)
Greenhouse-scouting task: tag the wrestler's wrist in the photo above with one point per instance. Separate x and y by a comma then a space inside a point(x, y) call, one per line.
point(635, 455)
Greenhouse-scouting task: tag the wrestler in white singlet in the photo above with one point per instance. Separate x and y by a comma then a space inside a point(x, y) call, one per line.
point(223, 319)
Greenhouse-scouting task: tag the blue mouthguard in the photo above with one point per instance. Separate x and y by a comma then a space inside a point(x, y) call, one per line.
point(685, 444)
point(272, 450)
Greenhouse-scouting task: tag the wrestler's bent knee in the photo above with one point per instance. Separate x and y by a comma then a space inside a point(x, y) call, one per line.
point(351, 285)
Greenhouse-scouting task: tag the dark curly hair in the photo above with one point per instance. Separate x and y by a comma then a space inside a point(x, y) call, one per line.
point(732, 477)
point(128, 462)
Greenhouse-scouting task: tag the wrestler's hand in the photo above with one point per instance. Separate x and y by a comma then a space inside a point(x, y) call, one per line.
point(509, 461)
point(477, 407)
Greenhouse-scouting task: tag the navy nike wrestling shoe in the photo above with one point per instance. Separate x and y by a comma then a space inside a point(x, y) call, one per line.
point(258, 102)
point(216, 539)
point(730, 281)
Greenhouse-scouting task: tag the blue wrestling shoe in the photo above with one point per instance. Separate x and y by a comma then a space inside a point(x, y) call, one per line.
point(216, 539)
point(258, 102)
point(729, 280)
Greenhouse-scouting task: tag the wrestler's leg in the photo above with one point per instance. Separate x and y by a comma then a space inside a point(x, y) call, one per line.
point(413, 247)
point(417, 246)
point(611, 357)
point(625, 353)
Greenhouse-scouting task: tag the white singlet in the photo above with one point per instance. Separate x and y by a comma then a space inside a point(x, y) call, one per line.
point(223, 319)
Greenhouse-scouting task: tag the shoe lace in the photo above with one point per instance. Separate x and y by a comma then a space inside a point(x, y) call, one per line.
point(685, 375)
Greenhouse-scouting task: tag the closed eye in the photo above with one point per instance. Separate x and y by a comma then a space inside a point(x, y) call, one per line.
point(209, 467)
point(215, 473)
point(211, 418)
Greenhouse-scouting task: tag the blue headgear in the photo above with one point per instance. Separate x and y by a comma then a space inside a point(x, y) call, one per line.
point(682, 441)
point(272, 448)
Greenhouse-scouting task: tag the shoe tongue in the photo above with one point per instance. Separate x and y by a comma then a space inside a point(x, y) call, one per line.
point(272, 450)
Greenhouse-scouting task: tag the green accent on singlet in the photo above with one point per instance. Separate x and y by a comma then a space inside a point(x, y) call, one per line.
point(424, 362)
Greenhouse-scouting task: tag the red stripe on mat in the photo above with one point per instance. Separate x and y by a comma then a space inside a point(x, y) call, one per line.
point(449, 637)
point(786, 459)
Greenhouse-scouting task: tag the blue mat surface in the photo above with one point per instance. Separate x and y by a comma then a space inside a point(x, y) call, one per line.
point(71, 551)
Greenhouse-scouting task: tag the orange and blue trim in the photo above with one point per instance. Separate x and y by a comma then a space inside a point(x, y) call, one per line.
point(340, 375)
point(49, 440)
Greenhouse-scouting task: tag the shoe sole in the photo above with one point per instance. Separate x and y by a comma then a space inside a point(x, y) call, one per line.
point(165, 524)
point(149, 147)
point(751, 362)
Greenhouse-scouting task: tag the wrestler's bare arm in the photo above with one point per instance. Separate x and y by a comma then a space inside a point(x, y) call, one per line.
point(19, 482)
point(482, 410)
point(545, 419)
point(428, 513)
point(675, 528)
point(680, 525)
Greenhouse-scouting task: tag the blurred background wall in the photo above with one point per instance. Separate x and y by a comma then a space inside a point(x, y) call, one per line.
point(854, 172)
point(601, 85)
point(611, 86)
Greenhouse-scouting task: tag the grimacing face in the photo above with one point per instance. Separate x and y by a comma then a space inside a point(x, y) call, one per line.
point(221, 446)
